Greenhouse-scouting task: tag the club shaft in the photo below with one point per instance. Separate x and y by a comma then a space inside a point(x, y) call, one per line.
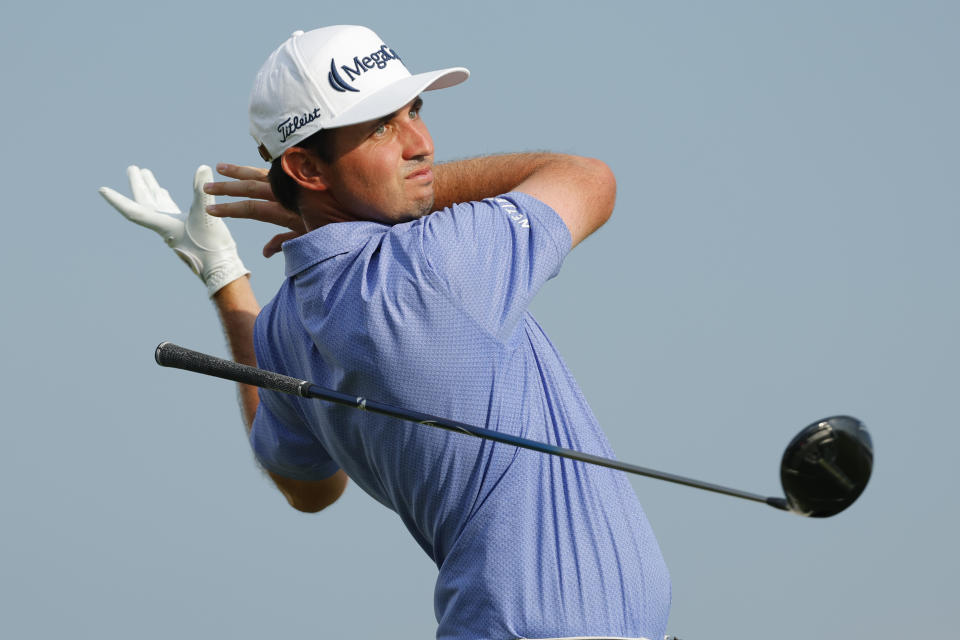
point(171, 355)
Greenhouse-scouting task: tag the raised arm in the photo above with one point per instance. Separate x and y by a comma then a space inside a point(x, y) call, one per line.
point(581, 190)
point(204, 243)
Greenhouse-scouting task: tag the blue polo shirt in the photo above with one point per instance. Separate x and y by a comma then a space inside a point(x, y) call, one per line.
point(431, 315)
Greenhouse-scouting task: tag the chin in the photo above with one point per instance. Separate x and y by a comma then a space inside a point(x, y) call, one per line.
point(415, 210)
point(426, 206)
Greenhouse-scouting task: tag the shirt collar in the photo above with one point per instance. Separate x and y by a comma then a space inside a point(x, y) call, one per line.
point(329, 240)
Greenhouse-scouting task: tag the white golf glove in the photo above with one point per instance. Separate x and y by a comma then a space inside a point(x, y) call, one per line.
point(201, 240)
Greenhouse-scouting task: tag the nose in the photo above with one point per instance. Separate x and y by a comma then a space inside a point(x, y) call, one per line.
point(417, 142)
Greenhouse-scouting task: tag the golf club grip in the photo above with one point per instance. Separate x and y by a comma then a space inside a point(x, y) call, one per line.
point(172, 355)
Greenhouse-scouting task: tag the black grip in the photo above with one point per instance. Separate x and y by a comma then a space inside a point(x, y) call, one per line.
point(172, 355)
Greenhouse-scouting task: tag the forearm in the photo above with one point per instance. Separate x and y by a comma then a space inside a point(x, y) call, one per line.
point(485, 176)
point(238, 309)
point(582, 191)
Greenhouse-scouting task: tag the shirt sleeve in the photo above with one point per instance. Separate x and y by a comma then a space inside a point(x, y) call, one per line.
point(284, 446)
point(493, 256)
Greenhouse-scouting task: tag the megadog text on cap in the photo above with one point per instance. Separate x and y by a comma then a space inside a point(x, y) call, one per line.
point(376, 59)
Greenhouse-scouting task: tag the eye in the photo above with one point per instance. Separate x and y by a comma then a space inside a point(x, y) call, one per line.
point(414, 112)
point(381, 129)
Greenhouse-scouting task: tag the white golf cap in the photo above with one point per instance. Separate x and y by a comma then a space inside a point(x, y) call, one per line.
point(332, 77)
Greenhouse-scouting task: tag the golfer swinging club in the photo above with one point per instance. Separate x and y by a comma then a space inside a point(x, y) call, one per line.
point(409, 282)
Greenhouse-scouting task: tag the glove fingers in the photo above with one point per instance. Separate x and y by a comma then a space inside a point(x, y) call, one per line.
point(200, 199)
point(161, 197)
point(203, 175)
point(206, 231)
point(137, 213)
point(138, 185)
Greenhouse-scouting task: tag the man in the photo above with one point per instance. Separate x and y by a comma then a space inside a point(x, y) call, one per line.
point(411, 286)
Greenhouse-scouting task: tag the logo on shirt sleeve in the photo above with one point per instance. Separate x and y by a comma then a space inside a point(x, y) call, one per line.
point(513, 213)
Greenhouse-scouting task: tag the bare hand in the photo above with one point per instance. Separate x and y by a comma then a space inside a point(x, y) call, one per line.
point(252, 183)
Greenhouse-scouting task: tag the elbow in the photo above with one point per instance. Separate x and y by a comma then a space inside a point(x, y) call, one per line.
point(606, 189)
point(309, 504)
point(600, 185)
point(312, 496)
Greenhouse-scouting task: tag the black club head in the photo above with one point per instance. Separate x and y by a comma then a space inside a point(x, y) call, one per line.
point(826, 466)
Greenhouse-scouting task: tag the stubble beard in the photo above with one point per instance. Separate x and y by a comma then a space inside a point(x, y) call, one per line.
point(425, 206)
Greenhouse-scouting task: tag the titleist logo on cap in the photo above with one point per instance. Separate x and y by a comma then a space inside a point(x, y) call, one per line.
point(375, 59)
point(289, 126)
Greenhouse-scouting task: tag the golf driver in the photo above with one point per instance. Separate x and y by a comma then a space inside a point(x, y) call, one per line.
point(824, 469)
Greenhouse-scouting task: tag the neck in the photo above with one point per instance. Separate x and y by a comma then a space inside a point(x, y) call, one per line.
point(319, 211)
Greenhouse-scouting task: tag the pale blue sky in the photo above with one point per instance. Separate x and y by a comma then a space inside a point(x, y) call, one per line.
point(783, 248)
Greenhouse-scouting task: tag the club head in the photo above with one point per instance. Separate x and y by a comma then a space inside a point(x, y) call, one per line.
point(826, 466)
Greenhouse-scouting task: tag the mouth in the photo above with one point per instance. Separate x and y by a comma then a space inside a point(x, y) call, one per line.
point(422, 175)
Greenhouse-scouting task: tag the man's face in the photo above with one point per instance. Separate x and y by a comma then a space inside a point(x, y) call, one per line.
point(382, 169)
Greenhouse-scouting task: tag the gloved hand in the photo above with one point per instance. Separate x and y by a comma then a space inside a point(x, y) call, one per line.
point(202, 241)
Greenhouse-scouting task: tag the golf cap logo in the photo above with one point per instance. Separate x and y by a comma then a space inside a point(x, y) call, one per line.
point(377, 59)
point(291, 124)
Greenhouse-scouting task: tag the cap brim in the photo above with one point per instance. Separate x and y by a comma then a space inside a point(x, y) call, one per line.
point(394, 96)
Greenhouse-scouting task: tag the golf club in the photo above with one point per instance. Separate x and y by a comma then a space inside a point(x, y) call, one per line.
point(824, 469)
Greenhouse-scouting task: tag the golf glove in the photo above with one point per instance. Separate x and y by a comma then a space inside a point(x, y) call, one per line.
point(201, 240)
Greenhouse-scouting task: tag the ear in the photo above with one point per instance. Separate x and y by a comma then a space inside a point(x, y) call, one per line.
point(305, 168)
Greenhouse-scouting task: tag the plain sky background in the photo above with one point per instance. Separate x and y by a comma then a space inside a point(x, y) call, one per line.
point(784, 248)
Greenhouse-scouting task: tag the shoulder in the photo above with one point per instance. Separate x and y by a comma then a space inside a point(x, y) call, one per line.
point(509, 214)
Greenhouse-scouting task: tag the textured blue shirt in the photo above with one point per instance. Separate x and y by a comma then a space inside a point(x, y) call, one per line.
point(431, 315)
